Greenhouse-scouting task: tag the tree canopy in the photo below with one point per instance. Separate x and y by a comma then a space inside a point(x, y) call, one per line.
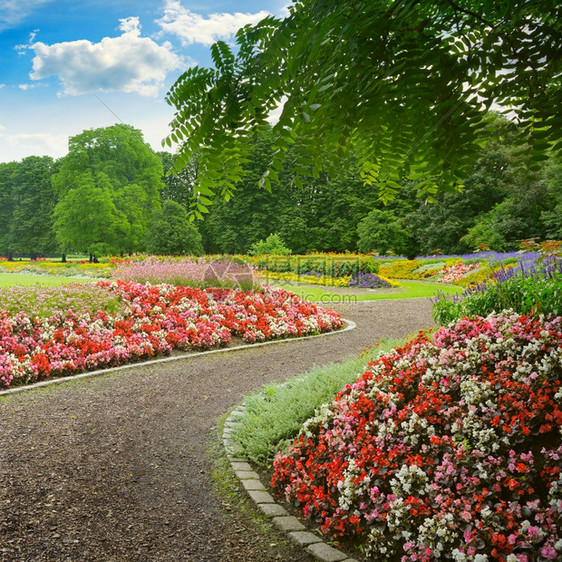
point(109, 176)
point(402, 85)
point(26, 205)
point(172, 233)
point(87, 219)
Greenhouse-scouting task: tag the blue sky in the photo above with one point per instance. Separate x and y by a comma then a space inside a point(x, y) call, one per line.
point(67, 65)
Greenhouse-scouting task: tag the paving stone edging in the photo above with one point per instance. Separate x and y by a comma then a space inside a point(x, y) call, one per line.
point(350, 325)
point(265, 502)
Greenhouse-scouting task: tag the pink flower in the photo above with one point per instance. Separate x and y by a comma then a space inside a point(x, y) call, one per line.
point(549, 552)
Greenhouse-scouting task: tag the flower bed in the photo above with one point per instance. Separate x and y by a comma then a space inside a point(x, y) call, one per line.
point(400, 269)
point(371, 281)
point(524, 288)
point(318, 279)
point(359, 280)
point(70, 268)
point(149, 321)
point(454, 273)
point(448, 448)
point(192, 272)
point(332, 265)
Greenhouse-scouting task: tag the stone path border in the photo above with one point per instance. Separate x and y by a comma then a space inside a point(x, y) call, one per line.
point(350, 325)
point(265, 502)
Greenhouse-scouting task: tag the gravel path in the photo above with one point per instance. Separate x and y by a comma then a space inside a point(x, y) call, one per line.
point(120, 467)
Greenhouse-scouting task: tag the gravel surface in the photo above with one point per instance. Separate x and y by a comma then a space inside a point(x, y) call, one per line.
point(127, 466)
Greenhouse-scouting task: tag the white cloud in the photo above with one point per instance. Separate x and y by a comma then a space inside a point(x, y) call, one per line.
point(128, 63)
point(34, 143)
point(13, 11)
point(285, 12)
point(21, 49)
point(195, 28)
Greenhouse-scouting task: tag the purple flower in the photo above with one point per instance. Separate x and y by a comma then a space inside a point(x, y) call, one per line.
point(368, 281)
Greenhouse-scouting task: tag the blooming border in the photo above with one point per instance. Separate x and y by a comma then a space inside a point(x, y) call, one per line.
point(350, 325)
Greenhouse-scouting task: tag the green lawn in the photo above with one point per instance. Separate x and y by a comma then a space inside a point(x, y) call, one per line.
point(20, 279)
point(316, 293)
point(407, 290)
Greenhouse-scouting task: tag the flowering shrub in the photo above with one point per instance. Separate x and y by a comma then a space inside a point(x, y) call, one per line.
point(149, 321)
point(448, 448)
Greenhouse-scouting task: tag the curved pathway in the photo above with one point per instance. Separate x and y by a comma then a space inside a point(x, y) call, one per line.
point(120, 467)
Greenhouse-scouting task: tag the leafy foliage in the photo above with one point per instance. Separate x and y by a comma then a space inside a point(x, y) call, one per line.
point(108, 187)
point(272, 245)
point(403, 85)
point(321, 215)
point(26, 205)
point(522, 289)
point(275, 415)
point(382, 232)
point(171, 232)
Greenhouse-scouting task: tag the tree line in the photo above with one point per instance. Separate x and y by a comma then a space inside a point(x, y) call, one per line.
point(112, 194)
point(106, 196)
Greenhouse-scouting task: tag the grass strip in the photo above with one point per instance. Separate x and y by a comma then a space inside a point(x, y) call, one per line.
point(274, 415)
point(407, 290)
point(23, 280)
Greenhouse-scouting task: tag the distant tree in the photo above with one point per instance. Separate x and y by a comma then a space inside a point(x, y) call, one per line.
point(178, 187)
point(484, 235)
point(519, 216)
point(130, 200)
point(27, 201)
point(87, 219)
point(382, 231)
point(7, 173)
point(445, 224)
point(33, 199)
point(321, 215)
point(118, 162)
point(172, 233)
point(402, 85)
point(551, 217)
